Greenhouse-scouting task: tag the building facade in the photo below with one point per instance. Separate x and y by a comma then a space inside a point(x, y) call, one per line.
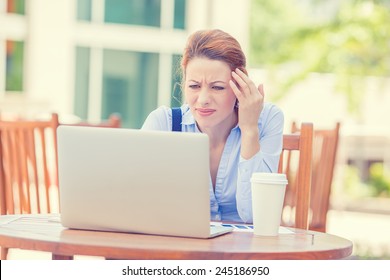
point(91, 58)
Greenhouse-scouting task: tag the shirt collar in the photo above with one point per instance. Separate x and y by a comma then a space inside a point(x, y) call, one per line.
point(188, 118)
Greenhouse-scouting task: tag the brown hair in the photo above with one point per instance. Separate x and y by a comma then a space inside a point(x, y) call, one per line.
point(214, 44)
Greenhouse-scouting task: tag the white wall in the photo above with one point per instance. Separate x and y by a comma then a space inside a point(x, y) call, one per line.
point(50, 53)
point(316, 99)
point(231, 16)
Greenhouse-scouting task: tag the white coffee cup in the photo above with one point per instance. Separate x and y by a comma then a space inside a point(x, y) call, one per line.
point(268, 190)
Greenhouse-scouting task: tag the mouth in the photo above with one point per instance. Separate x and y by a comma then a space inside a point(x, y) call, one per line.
point(204, 112)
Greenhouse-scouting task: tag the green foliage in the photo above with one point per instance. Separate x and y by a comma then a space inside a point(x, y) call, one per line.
point(272, 22)
point(353, 184)
point(378, 183)
point(14, 69)
point(379, 179)
point(352, 43)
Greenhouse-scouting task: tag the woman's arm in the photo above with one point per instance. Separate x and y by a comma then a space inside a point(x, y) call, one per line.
point(265, 160)
point(251, 102)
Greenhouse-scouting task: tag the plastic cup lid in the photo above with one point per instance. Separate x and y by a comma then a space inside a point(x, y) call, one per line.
point(269, 178)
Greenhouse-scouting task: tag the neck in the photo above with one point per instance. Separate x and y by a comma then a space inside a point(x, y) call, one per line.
point(218, 134)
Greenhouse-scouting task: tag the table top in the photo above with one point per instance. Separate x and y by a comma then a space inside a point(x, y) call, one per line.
point(44, 232)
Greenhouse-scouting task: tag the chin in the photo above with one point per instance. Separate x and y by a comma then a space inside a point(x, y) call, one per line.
point(203, 124)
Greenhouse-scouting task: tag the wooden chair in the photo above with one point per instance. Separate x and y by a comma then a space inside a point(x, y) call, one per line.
point(325, 143)
point(28, 159)
point(113, 121)
point(28, 165)
point(297, 198)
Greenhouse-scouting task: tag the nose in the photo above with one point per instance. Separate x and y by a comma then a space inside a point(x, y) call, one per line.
point(204, 96)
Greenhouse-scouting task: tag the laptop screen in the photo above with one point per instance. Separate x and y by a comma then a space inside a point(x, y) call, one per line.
point(134, 180)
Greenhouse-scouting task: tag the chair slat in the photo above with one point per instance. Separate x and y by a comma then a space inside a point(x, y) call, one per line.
point(45, 167)
point(33, 158)
point(298, 190)
point(2, 177)
point(325, 142)
point(25, 186)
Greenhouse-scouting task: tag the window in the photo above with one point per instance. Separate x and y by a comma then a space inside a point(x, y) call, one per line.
point(129, 85)
point(16, 7)
point(14, 66)
point(180, 14)
point(146, 12)
point(84, 10)
point(125, 78)
point(176, 100)
point(133, 12)
point(82, 82)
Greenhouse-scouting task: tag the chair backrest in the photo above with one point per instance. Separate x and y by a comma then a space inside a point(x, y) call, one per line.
point(297, 198)
point(114, 121)
point(325, 143)
point(28, 165)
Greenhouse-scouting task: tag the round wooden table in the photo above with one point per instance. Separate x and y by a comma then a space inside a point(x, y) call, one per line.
point(44, 232)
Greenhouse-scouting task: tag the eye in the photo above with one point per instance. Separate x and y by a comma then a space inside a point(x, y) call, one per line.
point(218, 88)
point(194, 86)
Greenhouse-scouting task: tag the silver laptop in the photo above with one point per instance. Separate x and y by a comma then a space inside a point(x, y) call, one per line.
point(137, 181)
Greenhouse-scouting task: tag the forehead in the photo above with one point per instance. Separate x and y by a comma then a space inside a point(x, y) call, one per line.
point(204, 68)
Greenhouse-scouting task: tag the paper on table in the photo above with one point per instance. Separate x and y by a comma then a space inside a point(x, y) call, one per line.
point(248, 228)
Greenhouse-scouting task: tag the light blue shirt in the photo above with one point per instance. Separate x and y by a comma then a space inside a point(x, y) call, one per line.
point(232, 198)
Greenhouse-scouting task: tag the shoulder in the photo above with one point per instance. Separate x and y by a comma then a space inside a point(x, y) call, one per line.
point(271, 118)
point(270, 108)
point(271, 111)
point(161, 112)
point(158, 119)
point(161, 118)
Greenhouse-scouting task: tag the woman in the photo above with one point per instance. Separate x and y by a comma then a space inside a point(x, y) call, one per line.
point(221, 101)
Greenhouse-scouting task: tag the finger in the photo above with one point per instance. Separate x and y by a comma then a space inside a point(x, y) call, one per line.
point(243, 76)
point(261, 89)
point(243, 86)
point(235, 89)
point(248, 82)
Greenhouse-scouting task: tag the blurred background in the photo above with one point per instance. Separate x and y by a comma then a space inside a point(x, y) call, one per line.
point(321, 61)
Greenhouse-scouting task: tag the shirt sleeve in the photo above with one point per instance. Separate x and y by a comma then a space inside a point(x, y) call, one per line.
point(159, 119)
point(271, 125)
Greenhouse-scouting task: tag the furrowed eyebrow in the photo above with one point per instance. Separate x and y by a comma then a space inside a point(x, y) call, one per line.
point(215, 82)
point(211, 83)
